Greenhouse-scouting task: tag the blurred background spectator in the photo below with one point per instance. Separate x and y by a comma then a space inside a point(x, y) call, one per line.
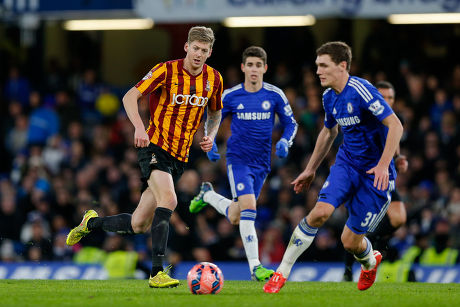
point(67, 143)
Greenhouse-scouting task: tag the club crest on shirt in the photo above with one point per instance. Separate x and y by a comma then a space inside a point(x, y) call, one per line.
point(240, 186)
point(208, 86)
point(266, 105)
point(350, 108)
point(326, 184)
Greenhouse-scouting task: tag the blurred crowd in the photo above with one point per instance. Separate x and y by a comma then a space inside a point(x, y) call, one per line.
point(67, 147)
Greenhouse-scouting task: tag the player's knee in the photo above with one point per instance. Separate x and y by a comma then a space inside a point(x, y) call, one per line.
point(234, 219)
point(398, 220)
point(317, 217)
point(139, 227)
point(169, 200)
point(350, 245)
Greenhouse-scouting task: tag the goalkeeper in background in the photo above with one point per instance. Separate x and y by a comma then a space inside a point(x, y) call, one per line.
point(252, 105)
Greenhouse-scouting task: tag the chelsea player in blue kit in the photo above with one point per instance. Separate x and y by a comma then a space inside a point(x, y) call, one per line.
point(252, 106)
point(363, 174)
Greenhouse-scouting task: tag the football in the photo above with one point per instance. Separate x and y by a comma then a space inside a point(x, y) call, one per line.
point(205, 278)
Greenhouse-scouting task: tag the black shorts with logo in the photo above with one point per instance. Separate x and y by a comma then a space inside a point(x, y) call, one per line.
point(154, 157)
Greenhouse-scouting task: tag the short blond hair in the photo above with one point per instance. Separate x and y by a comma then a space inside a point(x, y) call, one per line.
point(201, 34)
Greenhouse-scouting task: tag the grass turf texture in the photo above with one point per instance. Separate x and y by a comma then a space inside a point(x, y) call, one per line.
point(111, 293)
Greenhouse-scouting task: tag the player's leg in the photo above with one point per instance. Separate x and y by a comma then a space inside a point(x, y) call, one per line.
point(396, 217)
point(223, 205)
point(366, 209)
point(359, 246)
point(336, 190)
point(162, 185)
point(301, 239)
point(123, 223)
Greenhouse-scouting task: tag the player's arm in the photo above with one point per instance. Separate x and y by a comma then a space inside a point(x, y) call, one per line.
point(210, 129)
point(284, 112)
point(323, 144)
point(141, 138)
point(380, 171)
point(214, 112)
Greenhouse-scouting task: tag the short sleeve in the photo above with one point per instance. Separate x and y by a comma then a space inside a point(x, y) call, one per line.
point(215, 102)
point(152, 80)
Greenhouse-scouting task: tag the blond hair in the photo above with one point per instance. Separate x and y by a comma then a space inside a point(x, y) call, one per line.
point(201, 34)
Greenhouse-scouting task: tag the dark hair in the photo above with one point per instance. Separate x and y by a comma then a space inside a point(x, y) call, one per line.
point(255, 51)
point(384, 84)
point(338, 51)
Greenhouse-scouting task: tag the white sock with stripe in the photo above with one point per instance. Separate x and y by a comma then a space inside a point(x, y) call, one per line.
point(249, 237)
point(367, 258)
point(219, 202)
point(301, 239)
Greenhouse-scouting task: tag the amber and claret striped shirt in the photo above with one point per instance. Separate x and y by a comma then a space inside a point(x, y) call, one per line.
point(177, 103)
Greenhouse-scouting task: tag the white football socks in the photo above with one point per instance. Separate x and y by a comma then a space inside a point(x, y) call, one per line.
point(219, 202)
point(367, 258)
point(249, 237)
point(301, 239)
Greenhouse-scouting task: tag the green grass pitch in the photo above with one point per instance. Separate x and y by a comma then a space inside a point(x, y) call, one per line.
point(111, 293)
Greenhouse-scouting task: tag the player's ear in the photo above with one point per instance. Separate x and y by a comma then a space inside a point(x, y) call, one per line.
point(186, 47)
point(265, 68)
point(343, 65)
point(210, 52)
point(242, 67)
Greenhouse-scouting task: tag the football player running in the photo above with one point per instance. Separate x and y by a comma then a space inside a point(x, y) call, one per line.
point(252, 105)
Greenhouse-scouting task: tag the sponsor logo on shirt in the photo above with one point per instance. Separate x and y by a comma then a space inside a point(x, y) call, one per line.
point(253, 115)
point(193, 100)
point(348, 121)
point(240, 107)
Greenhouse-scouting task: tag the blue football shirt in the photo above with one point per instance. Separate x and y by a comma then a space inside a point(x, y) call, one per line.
point(359, 109)
point(253, 118)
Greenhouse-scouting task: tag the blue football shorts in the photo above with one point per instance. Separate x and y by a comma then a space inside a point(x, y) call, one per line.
point(366, 205)
point(245, 179)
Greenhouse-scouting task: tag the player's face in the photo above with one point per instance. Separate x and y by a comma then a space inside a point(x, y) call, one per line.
point(254, 69)
point(389, 95)
point(197, 53)
point(329, 73)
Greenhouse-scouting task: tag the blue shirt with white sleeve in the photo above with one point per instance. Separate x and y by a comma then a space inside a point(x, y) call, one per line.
point(359, 109)
point(253, 118)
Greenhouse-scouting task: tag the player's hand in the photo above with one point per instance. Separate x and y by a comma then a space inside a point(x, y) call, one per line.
point(401, 163)
point(382, 176)
point(282, 148)
point(213, 155)
point(303, 181)
point(141, 138)
point(206, 143)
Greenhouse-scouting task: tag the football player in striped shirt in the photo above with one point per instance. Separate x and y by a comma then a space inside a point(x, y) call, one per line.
point(363, 174)
point(179, 91)
point(252, 106)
